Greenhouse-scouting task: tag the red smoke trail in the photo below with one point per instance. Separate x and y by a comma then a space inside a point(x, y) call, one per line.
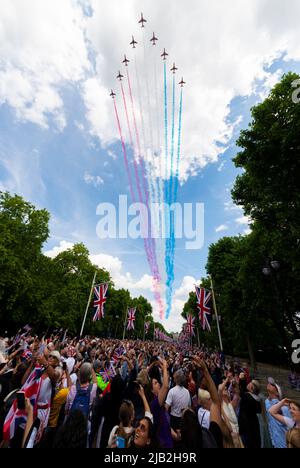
point(138, 141)
point(147, 249)
point(136, 171)
point(124, 151)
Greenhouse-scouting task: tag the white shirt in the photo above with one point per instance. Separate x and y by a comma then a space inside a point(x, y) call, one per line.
point(290, 423)
point(178, 399)
point(204, 418)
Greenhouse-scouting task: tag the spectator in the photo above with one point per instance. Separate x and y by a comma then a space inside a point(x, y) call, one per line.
point(178, 399)
point(204, 410)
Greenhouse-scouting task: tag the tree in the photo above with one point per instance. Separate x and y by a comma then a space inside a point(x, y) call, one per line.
point(268, 189)
point(23, 231)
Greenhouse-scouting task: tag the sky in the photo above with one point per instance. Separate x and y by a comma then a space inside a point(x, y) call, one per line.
point(59, 141)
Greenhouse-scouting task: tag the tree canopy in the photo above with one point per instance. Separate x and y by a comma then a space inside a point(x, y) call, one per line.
point(53, 293)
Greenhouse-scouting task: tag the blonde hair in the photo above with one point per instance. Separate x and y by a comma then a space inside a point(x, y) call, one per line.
point(293, 438)
point(203, 394)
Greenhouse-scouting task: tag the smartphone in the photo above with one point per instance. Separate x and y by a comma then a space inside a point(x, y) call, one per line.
point(21, 401)
point(120, 443)
point(29, 444)
point(64, 366)
point(41, 350)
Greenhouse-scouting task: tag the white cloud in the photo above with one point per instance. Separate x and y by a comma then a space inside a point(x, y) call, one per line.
point(23, 171)
point(96, 181)
point(47, 45)
point(218, 69)
point(230, 206)
point(62, 247)
point(222, 228)
point(243, 220)
point(221, 167)
point(42, 48)
point(181, 296)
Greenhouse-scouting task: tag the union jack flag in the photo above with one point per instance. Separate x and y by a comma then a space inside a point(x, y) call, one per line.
point(147, 327)
point(131, 318)
point(190, 324)
point(100, 293)
point(204, 305)
point(108, 374)
point(18, 418)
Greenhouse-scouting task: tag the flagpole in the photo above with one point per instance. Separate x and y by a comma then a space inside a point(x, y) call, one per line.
point(198, 336)
point(216, 312)
point(88, 304)
point(125, 323)
point(144, 329)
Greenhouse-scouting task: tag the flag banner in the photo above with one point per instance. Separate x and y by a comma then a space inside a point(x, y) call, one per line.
point(147, 327)
point(161, 336)
point(100, 298)
point(190, 324)
point(204, 305)
point(131, 319)
point(18, 418)
point(109, 373)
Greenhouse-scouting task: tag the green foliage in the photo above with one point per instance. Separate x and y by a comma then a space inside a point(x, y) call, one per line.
point(53, 293)
point(259, 312)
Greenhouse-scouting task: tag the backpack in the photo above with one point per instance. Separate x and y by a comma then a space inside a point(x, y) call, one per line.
point(126, 436)
point(208, 439)
point(82, 400)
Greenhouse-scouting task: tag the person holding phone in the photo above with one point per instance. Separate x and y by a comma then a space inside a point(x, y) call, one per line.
point(292, 424)
point(120, 435)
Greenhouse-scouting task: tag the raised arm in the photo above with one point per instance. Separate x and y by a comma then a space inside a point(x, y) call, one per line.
point(145, 401)
point(275, 411)
point(165, 385)
point(215, 411)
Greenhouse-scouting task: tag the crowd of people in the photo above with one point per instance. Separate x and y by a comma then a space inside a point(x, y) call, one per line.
point(294, 381)
point(61, 392)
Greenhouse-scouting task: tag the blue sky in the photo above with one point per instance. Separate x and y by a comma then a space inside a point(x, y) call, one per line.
point(58, 142)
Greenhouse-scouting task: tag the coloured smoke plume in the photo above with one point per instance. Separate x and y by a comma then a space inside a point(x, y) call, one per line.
point(155, 175)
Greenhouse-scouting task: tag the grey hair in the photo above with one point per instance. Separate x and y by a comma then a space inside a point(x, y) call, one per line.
point(180, 378)
point(85, 373)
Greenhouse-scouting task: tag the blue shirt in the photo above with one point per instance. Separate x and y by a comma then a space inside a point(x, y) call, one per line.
point(277, 430)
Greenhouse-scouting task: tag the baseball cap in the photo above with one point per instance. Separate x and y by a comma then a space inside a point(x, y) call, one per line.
point(55, 355)
point(272, 382)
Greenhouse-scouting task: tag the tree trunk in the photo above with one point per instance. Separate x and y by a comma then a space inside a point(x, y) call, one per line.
point(251, 354)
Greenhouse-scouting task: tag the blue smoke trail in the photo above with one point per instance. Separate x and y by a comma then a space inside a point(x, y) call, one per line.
point(166, 132)
point(179, 147)
point(171, 276)
point(171, 241)
point(173, 144)
point(166, 195)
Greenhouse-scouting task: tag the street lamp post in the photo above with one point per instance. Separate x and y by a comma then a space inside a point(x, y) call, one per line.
point(271, 270)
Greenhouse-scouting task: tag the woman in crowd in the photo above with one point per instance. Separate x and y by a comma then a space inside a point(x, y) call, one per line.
point(291, 423)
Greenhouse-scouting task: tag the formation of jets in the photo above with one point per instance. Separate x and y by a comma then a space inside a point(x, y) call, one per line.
point(134, 43)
